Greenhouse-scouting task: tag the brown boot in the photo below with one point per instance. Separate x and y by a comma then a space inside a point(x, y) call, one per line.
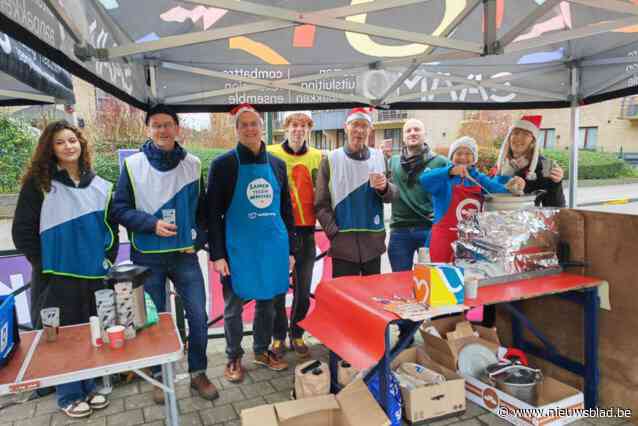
point(158, 395)
point(300, 348)
point(204, 387)
point(234, 372)
point(270, 360)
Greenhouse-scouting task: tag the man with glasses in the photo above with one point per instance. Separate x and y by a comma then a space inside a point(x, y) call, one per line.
point(351, 190)
point(251, 238)
point(160, 199)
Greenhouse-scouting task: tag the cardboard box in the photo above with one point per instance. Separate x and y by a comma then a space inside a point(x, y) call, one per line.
point(353, 406)
point(444, 351)
point(552, 395)
point(431, 402)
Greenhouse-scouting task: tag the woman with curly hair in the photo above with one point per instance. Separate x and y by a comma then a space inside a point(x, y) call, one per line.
point(62, 225)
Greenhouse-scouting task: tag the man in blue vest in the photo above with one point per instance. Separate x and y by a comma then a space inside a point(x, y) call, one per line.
point(160, 199)
point(251, 238)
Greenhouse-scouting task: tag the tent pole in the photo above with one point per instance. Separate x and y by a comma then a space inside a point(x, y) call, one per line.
point(574, 121)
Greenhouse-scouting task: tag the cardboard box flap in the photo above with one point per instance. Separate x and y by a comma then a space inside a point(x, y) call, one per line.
point(358, 406)
point(264, 415)
point(291, 409)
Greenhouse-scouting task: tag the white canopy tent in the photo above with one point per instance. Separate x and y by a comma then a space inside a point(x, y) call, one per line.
point(208, 55)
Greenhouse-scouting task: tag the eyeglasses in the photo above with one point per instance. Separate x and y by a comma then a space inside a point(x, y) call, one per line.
point(167, 126)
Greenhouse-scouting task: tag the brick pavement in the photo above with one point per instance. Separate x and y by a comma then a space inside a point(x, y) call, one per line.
point(132, 404)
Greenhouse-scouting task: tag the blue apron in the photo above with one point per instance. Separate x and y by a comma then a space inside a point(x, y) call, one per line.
point(256, 237)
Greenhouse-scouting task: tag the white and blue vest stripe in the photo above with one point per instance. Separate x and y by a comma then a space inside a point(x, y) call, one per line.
point(176, 191)
point(356, 205)
point(74, 232)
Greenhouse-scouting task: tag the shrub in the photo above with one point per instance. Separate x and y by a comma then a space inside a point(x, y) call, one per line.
point(107, 166)
point(591, 164)
point(17, 141)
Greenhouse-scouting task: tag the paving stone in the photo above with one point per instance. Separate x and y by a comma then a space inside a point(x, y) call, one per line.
point(216, 371)
point(139, 401)
point(35, 421)
point(46, 405)
point(127, 418)
point(18, 412)
point(183, 391)
point(229, 396)
point(445, 422)
point(473, 410)
point(116, 406)
point(468, 422)
point(216, 359)
point(249, 403)
point(156, 423)
point(606, 421)
point(125, 390)
point(233, 423)
point(280, 396)
point(254, 390)
point(218, 415)
point(264, 373)
point(282, 383)
point(155, 412)
point(190, 419)
point(492, 420)
point(225, 384)
point(63, 419)
point(188, 405)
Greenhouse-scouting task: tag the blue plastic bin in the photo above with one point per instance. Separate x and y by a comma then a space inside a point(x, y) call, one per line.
point(9, 336)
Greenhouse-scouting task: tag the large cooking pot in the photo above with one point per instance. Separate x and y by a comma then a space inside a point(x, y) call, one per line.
point(517, 380)
point(494, 202)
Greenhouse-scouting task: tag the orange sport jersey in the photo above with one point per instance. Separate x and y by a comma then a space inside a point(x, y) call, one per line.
point(300, 169)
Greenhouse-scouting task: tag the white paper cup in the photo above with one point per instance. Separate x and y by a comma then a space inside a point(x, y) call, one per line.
point(471, 289)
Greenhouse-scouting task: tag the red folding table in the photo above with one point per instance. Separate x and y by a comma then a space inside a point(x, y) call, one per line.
point(37, 363)
point(355, 328)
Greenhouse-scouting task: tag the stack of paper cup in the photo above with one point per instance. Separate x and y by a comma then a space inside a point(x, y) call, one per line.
point(105, 306)
point(423, 255)
point(124, 306)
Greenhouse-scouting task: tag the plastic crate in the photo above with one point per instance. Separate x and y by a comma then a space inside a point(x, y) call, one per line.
point(9, 335)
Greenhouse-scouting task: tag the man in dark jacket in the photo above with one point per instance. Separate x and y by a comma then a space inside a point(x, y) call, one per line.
point(158, 197)
point(351, 190)
point(251, 238)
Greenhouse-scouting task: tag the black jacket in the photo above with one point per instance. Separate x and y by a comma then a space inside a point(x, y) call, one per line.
point(554, 196)
point(26, 222)
point(222, 179)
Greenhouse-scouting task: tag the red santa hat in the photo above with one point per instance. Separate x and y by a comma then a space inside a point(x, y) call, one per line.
point(242, 108)
point(532, 124)
point(359, 114)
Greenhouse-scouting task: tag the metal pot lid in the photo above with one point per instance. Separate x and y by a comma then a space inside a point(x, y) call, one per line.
point(514, 374)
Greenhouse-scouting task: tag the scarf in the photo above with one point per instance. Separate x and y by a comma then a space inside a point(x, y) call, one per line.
point(413, 165)
point(163, 160)
point(512, 166)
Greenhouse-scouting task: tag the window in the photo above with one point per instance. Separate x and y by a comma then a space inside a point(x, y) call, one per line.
point(397, 139)
point(341, 138)
point(587, 137)
point(547, 138)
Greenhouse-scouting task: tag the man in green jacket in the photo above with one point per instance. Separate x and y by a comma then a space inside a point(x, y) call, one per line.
point(412, 210)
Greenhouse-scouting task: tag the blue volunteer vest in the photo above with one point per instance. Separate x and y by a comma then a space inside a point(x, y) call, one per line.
point(256, 236)
point(171, 196)
point(356, 205)
point(74, 233)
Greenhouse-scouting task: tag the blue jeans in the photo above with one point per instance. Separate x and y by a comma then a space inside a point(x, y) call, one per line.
point(184, 271)
point(68, 393)
point(404, 242)
point(234, 326)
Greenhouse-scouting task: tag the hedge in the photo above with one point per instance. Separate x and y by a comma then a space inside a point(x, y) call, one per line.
point(107, 166)
point(17, 141)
